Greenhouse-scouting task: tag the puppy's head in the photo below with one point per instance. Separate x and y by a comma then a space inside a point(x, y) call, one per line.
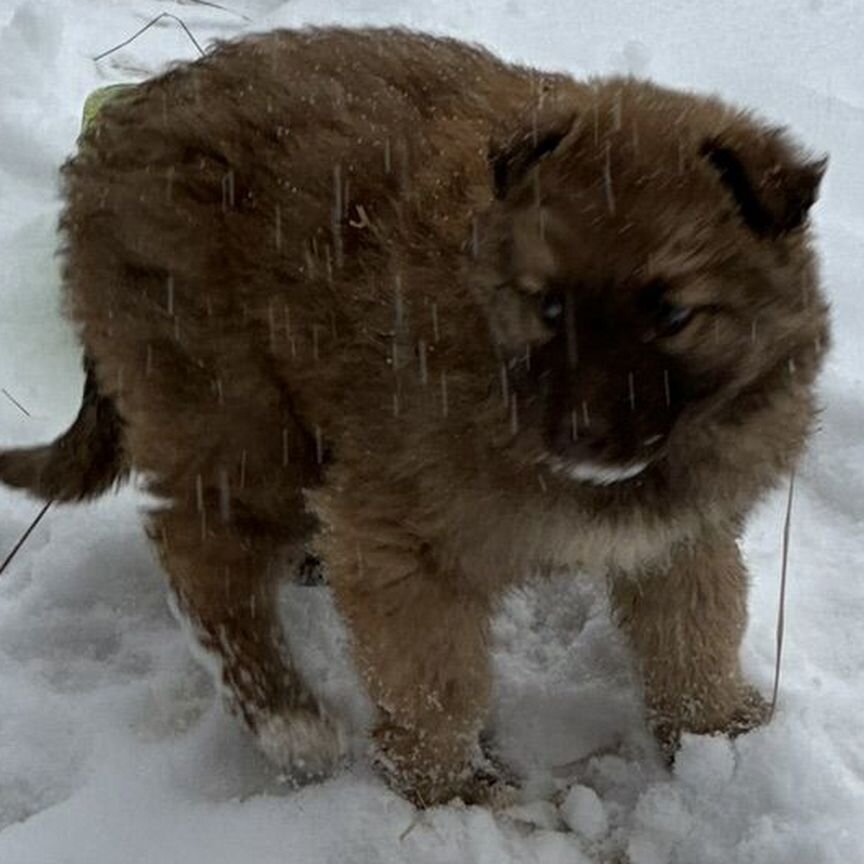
point(645, 267)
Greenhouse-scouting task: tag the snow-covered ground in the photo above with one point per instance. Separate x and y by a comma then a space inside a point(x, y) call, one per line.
point(113, 746)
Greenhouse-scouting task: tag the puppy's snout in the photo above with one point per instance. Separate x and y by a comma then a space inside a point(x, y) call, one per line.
point(605, 438)
point(574, 438)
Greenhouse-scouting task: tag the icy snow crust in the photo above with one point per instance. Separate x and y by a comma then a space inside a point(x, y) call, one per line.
point(113, 745)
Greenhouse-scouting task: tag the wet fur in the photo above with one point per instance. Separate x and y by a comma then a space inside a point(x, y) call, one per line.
point(309, 272)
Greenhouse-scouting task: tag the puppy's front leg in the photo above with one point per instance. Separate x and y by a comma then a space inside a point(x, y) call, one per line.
point(685, 622)
point(419, 630)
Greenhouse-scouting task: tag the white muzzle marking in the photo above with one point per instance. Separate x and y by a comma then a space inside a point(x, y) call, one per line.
point(594, 472)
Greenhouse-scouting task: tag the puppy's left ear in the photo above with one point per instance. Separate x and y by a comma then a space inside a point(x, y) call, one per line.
point(514, 153)
point(773, 186)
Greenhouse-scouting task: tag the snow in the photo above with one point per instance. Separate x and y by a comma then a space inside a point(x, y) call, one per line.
point(113, 743)
point(583, 812)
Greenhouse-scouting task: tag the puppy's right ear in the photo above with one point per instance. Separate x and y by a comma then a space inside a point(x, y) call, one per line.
point(512, 155)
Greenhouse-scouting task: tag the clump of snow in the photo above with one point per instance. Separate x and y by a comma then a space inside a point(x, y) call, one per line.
point(537, 813)
point(114, 744)
point(660, 820)
point(703, 760)
point(584, 813)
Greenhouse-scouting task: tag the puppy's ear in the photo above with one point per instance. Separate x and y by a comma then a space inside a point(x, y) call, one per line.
point(773, 186)
point(512, 154)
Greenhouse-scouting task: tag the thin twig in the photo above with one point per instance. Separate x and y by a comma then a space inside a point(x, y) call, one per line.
point(146, 27)
point(15, 402)
point(23, 539)
point(217, 6)
point(418, 818)
point(781, 612)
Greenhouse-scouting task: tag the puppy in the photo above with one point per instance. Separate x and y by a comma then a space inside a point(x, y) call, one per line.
point(446, 322)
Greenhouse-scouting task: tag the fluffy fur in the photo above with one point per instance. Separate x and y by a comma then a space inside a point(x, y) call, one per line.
point(447, 322)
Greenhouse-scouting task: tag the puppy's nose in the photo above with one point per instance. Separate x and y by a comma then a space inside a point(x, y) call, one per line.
point(574, 438)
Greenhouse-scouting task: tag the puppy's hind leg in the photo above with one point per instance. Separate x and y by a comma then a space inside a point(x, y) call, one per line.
point(225, 583)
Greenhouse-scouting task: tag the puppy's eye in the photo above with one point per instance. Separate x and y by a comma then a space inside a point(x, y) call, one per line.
point(552, 308)
point(672, 319)
point(663, 317)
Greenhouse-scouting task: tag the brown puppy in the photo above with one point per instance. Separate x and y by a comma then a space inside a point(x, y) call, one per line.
point(321, 311)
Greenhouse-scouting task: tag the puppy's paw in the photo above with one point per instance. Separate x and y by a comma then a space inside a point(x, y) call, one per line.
point(490, 789)
point(745, 710)
point(751, 712)
point(305, 743)
point(478, 783)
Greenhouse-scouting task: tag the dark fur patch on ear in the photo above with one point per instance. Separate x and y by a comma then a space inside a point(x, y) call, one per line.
point(734, 177)
point(511, 159)
point(773, 196)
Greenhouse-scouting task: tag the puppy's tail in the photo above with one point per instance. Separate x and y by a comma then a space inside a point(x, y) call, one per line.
point(85, 461)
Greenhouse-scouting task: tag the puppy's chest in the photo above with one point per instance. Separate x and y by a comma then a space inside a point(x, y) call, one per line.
point(518, 539)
